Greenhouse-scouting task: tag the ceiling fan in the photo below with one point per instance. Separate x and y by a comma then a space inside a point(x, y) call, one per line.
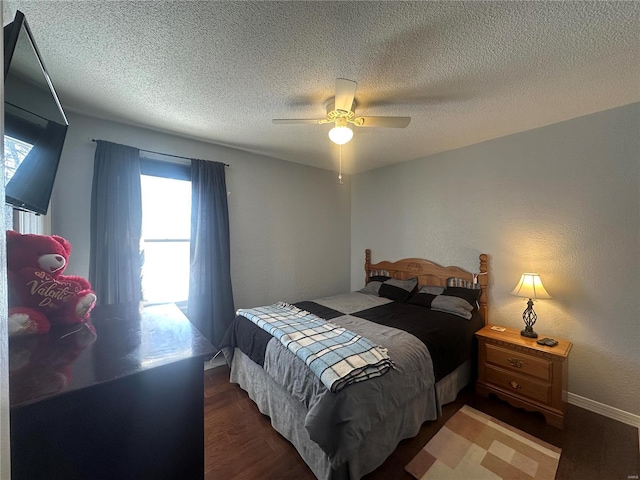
point(341, 111)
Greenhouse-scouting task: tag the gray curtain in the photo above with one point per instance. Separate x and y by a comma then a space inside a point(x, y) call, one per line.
point(210, 306)
point(115, 268)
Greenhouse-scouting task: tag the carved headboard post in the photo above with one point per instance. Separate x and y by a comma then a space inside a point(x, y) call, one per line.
point(367, 265)
point(483, 281)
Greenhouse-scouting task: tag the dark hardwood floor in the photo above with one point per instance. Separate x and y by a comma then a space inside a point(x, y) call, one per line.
point(240, 443)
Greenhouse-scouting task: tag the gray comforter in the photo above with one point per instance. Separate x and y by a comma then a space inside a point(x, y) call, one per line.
point(338, 422)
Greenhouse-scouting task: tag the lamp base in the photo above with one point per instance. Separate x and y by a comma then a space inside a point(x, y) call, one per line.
point(529, 316)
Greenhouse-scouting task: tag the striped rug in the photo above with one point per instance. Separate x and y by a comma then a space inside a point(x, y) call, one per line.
point(473, 445)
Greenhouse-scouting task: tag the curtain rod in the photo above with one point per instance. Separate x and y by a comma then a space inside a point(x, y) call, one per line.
point(160, 153)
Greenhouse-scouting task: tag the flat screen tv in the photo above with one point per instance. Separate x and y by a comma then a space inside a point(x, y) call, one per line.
point(34, 122)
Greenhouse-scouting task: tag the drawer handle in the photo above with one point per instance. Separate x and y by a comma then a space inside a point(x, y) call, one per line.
point(515, 362)
point(514, 385)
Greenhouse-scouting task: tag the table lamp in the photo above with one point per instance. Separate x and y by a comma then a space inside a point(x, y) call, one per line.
point(530, 286)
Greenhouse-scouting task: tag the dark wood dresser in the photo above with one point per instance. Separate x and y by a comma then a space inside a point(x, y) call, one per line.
point(118, 398)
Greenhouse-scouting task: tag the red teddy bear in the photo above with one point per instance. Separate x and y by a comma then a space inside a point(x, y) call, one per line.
point(39, 294)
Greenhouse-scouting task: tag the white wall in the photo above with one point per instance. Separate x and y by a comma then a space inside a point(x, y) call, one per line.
point(563, 201)
point(289, 223)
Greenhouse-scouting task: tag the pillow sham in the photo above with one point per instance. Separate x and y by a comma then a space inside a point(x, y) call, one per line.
point(469, 294)
point(455, 305)
point(398, 290)
point(430, 289)
point(371, 288)
point(443, 303)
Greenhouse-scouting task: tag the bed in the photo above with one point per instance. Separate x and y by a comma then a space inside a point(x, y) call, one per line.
point(404, 308)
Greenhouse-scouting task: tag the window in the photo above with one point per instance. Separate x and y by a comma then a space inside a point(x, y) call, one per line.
point(14, 152)
point(166, 229)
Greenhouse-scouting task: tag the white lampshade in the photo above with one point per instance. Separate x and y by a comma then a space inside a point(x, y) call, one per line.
point(340, 134)
point(530, 286)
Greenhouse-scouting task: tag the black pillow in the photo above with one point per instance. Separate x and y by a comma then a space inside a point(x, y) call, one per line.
point(398, 290)
point(422, 299)
point(470, 295)
point(443, 303)
point(378, 278)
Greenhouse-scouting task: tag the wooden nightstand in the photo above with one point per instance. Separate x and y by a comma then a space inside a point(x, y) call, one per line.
point(523, 373)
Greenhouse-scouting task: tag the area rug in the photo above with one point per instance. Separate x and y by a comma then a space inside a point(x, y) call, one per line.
point(476, 446)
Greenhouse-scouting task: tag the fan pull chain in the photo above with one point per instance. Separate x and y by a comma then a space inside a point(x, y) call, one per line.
point(340, 173)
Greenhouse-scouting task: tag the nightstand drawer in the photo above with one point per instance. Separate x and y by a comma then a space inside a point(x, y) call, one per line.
point(518, 362)
point(519, 384)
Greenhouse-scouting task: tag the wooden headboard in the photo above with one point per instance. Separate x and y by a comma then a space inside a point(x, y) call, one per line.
point(429, 273)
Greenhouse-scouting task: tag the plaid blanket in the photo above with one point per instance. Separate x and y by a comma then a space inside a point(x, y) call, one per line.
point(335, 355)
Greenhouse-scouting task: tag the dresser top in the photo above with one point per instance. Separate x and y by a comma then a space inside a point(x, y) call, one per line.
point(118, 341)
point(512, 336)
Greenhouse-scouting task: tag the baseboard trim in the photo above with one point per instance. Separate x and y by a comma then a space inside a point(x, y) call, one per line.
point(604, 410)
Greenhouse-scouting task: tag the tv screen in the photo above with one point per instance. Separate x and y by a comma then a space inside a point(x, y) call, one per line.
point(35, 124)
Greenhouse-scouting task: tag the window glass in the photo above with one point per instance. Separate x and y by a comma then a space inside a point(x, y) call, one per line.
point(14, 152)
point(166, 228)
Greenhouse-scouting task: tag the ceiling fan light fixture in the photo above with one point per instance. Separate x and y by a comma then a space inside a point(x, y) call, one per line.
point(340, 134)
point(341, 112)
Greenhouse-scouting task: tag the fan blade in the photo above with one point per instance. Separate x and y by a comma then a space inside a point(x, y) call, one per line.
point(393, 122)
point(345, 91)
point(282, 121)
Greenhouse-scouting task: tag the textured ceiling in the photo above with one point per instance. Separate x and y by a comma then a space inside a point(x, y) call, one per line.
point(464, 72)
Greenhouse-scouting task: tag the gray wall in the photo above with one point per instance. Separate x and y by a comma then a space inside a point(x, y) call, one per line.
point(563, 201)
point(290, 224)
